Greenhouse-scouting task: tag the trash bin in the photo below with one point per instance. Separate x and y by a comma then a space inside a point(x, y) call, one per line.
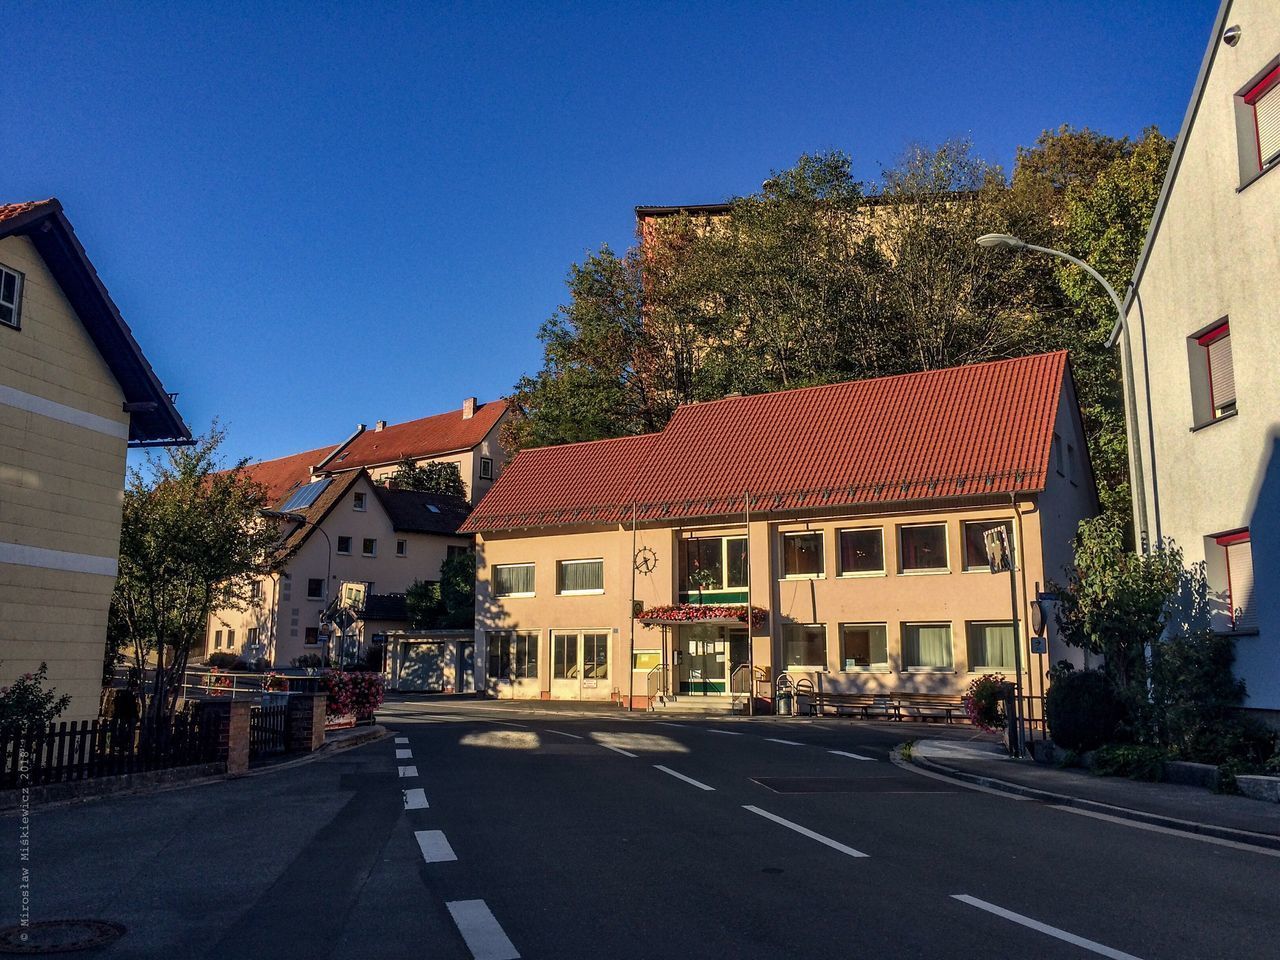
point(782, 706)
point(801, 705)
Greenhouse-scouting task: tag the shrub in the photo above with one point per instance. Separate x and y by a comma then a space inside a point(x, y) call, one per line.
point(309, 661)
point(1131, 760)
point(222, 661)
point(359, 693)
point(25, 704)
point(1082, 710)
point(985, 702)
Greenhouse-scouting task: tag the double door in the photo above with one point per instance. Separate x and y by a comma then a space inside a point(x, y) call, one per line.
point(708, 655)
point(579, 664)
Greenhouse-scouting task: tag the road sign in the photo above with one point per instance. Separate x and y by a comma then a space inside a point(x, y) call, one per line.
point(998, 555)
point(1039, 644)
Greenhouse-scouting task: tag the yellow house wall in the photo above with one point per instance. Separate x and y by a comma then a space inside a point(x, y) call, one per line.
point(61, 489)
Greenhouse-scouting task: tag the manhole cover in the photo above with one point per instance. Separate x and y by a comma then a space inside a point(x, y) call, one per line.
point(58, 936)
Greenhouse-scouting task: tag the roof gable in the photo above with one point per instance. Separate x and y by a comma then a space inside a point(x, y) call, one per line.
point(966, 431)
point(157, 421)
point(425, 437)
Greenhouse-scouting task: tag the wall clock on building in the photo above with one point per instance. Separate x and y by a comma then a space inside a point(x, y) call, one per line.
point(645, 561)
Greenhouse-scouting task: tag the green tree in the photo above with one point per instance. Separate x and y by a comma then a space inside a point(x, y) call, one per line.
point(449, 603)
point(430, 477)
point(191, 542)
point(25, 704)
point(422, 603)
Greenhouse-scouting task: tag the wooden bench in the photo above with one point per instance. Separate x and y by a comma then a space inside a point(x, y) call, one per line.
point(930, 706)
point(865, 705)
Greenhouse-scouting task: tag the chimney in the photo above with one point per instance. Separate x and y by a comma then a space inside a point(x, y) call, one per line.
point(468, 408)
point(380, 426)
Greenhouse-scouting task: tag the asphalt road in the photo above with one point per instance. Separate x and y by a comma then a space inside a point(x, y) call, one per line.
point(517, 832)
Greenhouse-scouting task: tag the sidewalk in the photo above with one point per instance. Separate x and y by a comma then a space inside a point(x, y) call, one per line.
point(1193, 809)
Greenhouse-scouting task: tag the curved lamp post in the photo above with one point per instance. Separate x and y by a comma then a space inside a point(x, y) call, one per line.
point(302, 520)
point(996, 241)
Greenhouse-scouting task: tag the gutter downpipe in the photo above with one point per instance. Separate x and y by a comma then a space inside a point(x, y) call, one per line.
point(1141, 532)
point(751, 653)
point(631, 642)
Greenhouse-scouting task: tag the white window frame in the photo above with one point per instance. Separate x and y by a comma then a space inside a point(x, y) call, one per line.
point(968, 645)
point(507, 566)
point(338, 549)
point(822, 555)
point(884, 563)
point(323, 590)
point(360, 501)
point(18, 283)
point(926, 571)
point(826, 648)
point(402, 548)
point(364, 542)
point(486, 468)
point(985, 566)
point(886, 666)
point(560, 564)
point(902, 640)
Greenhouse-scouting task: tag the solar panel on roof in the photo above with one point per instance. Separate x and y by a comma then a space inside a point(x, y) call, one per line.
point(306, 496)
point(433, 508)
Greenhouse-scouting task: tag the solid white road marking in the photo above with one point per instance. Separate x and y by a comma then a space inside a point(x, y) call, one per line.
point(789, 743)
point(402, 739)
point(680, 776)
point(1044, 928)
point(1156, 828)
point(409, 771)
point(404, 754)
point(805, 831)
point(625, 753)
point(480, 929)
point(509, 723)
point(667, 723)
point(415, 798)
point(435, 848)
point(851, 756)
point(727, 733)
point(563, 734)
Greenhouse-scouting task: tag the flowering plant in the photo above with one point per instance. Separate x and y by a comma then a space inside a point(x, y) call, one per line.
point(275, 681)
point(353, 693)
point(693, 612)
point(215, 681)
point(985, 702)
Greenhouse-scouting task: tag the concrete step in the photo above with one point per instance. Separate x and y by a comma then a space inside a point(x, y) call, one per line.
point(717, 705)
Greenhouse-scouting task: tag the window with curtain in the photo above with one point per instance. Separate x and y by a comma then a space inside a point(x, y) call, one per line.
point(595, 656)
point(802, 554)
point(513, 580)
point(926, 646)
point(864, 646)
point(804, 645)
point(923, 547)
point(580, 576)
point(991, 646)
point(861, 551)
point(975, 544)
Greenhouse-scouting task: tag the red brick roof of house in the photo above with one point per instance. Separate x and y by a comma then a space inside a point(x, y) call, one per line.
point(967, 431)
point(414, 439)
point(10, 210)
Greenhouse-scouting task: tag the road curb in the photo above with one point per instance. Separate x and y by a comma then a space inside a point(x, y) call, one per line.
point(1268, 840)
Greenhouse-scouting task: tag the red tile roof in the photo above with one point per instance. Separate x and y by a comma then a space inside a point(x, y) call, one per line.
point(429, 436)
point(10, 210)
point(966, 431)
point(283, 474)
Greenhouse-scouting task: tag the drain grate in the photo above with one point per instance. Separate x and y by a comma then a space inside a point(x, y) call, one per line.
point(58, 936)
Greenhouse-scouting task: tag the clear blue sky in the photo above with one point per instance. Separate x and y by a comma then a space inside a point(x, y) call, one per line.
point(316, 214)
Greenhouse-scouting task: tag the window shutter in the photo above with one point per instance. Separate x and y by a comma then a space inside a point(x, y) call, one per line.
point(1266, 110)
point(1222, 370)
point(1240, 568)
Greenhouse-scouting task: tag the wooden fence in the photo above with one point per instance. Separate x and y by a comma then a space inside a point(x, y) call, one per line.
point(267, 725)
point(65, 752)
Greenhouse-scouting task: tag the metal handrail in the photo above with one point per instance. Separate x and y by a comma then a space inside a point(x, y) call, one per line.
point(656, 683)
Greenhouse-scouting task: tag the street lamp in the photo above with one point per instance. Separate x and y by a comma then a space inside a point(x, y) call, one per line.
point(328, 558)
point(1003, 241)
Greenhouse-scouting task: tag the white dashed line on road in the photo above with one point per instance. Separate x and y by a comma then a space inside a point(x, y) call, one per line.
point(668, 723)
point(480, 929)
point(851, 756)
point(404, 754)
point(510, 723)
point(409, 771)
point(727, 733)
point(625, 753)
point(680, 776)
point(1044, 928)
point(435, 848)
point(561, 733)
point(402, 739)
point(789, 743)
point(805, 831)
point(415, 798)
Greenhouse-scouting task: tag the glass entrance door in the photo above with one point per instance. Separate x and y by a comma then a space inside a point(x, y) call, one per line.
point(704, 660)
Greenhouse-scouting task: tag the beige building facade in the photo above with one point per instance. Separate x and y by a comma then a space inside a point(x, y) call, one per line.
point(1205, 336)
point(889, 596)
point(75, 393)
